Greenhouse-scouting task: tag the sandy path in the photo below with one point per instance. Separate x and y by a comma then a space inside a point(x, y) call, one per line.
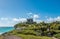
point(12, 37)
point(54, 38)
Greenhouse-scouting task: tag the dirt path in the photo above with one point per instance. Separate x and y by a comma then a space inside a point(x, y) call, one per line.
point(12, 37)
point(54, 38)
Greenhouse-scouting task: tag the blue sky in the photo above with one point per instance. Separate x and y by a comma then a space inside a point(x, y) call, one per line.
point(17, 9)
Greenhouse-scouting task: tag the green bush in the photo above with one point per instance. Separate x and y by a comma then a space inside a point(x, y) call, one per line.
point(28, 32)
point(57, 35)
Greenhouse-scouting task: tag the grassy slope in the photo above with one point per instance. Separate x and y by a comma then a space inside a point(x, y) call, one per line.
point(29, 36)
point(14, 32)
point(33, 37)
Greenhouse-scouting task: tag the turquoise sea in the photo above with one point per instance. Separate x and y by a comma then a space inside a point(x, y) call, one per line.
point(5, 29)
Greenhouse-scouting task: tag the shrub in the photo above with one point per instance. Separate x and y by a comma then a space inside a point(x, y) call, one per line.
point(57, 36)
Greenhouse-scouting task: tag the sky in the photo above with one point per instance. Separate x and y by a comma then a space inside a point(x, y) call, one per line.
point(14, 11)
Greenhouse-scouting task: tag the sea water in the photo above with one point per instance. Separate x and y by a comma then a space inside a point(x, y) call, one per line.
point(5, 29)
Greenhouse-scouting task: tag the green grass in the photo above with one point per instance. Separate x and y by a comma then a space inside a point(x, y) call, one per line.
point(24, 36)
point(32, 36)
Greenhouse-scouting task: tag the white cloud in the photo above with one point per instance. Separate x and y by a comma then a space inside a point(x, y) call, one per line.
point(22, 19)
point(3, 18)
point(53, 19)
point(8, 22)
point(15, 19)
point(35, 16)
point(19, 19)
point(31, 15)
point(38, 21)
point(50, 19)
point(58, 18)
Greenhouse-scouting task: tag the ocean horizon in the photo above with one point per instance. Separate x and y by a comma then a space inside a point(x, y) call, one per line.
point(5, 29)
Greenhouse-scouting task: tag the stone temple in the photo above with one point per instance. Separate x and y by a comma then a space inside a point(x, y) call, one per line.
point(30, 21)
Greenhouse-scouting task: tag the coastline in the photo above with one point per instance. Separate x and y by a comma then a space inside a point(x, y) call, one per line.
point(5, 30)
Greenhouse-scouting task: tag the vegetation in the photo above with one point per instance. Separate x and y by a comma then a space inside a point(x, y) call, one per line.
point(40, 30)
point(33, 37)
point(24, 36)
point(57, 35)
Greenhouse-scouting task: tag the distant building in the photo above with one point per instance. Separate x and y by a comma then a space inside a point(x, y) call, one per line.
point(30, 21)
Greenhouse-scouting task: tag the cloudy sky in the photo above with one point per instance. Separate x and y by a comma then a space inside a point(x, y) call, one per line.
point(14, 11)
